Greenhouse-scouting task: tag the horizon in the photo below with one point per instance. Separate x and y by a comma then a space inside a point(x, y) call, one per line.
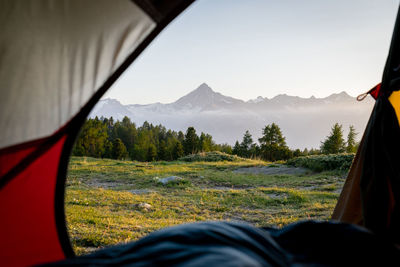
point(269, 98)
point(252, 48)
point(226, 119)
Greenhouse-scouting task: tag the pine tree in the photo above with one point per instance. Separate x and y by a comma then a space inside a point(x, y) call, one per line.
point(205, 142)
point(273, 144)
point(178, 150)
point(191, 141)
point(181, 137)
point(334, 143)
point(78, 149)
point(141, 147)
point(108, 153)
point(223, 148)
point(236, 149)
point(351, 140)
point(127, 132)
point(246, 144)
point(152, 153)
point(92, 138)
point(314, 151)
point(119, 149)
point(272, 135)
point(254, 150)
point(162, 151)
point(297, 153)
point(102, 138)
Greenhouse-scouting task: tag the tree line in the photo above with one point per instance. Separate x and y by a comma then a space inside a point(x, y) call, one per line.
point(106, 138)
point(272, 145)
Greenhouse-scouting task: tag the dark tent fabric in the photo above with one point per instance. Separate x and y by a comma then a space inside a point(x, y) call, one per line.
point(371, 194)
point(58, 57)
point(234, 244)
point(380, 179)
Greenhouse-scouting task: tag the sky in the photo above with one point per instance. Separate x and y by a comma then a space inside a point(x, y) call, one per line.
point(251, 48)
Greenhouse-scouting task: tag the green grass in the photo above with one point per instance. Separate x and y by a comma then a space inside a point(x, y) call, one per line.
point(318, 163)
point(214, 156)
point(103, 196)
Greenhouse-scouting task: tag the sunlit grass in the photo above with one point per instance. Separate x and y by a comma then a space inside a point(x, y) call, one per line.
point(103, 196)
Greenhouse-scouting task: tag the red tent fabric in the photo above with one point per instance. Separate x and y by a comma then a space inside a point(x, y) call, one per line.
point(57, 58)
point(29, 231)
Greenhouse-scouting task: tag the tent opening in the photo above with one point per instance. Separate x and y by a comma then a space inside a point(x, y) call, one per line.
point(208, 125)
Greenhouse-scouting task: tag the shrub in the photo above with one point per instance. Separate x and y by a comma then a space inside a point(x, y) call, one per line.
point(320, 163)
point(210, 157)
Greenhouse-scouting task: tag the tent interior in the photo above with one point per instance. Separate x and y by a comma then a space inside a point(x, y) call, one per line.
point(57, 59)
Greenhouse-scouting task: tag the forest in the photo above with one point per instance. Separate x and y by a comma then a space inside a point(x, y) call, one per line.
point(106, 138)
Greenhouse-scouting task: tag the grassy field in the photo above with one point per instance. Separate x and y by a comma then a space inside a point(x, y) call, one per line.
point(105, 198)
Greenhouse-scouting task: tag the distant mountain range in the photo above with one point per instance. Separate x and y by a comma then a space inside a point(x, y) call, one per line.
point(305, 122)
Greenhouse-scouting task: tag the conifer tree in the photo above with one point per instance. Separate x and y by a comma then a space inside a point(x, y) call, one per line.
point(178, 150)
point(273, 144)
point(152, 153)
point(246, 144)
point(334, 143)
point(191, 141)
point(118, 149)
point(162, 152)
point(351, 145)
point(205, 142)
point(108, 151)
point(272, 135)
point(102, 138)
point(236, 149)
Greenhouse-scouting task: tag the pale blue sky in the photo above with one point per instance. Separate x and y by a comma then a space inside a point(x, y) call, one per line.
point(247, 48)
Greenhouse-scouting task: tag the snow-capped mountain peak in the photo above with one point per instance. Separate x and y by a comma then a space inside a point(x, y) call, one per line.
point(227, 118)
point(205, 98)
point(259, 99)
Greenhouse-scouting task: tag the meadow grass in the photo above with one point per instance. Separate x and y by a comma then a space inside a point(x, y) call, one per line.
point(102, 197)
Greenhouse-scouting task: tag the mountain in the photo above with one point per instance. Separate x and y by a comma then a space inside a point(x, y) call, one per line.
point(110, 108)
point(257, 100)
point(304, 121)
point(204, 98)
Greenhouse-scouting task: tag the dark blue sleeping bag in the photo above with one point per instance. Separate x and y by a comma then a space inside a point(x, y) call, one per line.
point(233, 244)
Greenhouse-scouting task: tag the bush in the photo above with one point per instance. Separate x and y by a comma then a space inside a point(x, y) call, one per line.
point(320, 163)
point(210, 157)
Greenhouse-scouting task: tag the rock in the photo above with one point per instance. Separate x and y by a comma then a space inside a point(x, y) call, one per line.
point(169, 179)
point(144, 206)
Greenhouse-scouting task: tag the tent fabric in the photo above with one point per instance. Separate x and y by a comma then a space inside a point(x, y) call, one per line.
point(29, 231)
point(234, 244)
point(57, 58)
point(380, 179)
point(65, 50)
point(348, 207)
point(395, 101)
point(371, 195)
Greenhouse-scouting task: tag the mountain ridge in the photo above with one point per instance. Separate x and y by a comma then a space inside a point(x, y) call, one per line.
point(304, 121)
point(205, 88)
